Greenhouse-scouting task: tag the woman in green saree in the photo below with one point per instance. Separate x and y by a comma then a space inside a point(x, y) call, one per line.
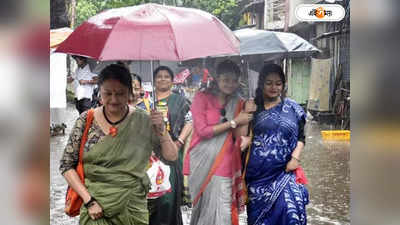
point(120, 141)
point(166, 210)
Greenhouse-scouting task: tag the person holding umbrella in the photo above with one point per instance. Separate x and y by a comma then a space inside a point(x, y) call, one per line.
point(213, 163)
point(118, 147)
point(275, 180)
point(178, 121)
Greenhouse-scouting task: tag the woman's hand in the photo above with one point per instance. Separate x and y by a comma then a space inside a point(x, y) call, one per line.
point(292, 165)
point(243, 118)
point(250, 106)
point(158, 121)
point(178, 144)
point(95, 211)
point(245, 142)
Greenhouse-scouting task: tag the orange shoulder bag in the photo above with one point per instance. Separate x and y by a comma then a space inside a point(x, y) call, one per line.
point(73, 201)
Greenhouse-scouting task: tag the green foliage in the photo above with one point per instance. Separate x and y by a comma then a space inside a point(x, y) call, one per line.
point(226, 10)
point(88, 8)
point(70, 96)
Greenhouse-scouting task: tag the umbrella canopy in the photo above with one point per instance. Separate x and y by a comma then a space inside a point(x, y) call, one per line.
point(151, 32)
point(271, 44)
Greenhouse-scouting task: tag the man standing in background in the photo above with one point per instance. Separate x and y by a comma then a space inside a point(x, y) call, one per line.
point(84, 84)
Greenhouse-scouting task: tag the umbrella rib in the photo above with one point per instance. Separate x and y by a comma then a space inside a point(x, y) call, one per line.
point(219, 23)
point(106, 41)
point(173, 34)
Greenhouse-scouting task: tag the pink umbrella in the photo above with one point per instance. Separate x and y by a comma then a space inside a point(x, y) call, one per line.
point(151, 32)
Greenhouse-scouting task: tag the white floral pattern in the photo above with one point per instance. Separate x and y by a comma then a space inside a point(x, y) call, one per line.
point(274, 196)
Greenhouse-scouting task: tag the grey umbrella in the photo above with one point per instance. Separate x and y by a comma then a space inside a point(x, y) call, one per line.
point(269, 45)
point(258, 46)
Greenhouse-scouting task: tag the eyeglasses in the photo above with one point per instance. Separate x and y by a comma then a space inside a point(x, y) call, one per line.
point(223, 113)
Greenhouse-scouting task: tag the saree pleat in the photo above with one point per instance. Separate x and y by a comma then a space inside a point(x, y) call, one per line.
point(215, 203)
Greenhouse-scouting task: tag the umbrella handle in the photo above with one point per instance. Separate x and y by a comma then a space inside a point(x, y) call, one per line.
point(152, 85)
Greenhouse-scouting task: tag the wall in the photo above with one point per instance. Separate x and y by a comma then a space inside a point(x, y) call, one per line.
point(299, 79)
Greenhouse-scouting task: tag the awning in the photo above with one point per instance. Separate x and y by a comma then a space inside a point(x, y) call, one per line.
point(59, 35)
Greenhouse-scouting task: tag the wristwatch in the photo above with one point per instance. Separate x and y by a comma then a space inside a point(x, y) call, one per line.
point(233, 124)
point(89, 203)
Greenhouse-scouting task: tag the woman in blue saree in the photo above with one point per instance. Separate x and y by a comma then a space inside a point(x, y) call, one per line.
point(274, 196)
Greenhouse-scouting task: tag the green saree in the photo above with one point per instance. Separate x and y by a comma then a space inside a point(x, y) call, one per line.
point(115, 173)
point(166, 209)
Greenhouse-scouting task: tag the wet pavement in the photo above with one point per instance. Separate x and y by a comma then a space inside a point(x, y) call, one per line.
point(326, 165)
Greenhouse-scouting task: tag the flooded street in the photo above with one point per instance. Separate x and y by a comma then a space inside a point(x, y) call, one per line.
point(326, 165)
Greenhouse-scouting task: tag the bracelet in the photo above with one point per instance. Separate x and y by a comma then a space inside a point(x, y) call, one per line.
point(90, 202)
point(181, 141)
point(298, 160)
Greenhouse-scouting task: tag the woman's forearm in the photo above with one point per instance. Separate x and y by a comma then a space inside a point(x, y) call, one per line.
point(297, 151)
point(186, 131)
point(73, 180)
point(220, 128)
point(168, 148)
point(240, 131)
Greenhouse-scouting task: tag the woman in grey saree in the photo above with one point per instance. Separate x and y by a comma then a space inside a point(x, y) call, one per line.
point(213, 160)
point(118, 148)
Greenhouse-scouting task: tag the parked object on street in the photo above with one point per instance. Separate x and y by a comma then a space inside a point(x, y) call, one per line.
point(57, 129)
point(336, 135)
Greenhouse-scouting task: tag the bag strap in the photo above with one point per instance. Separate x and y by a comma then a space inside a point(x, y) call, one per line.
point(218, 159)
point(89, 120)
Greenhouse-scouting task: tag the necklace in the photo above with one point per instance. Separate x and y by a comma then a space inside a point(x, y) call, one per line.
point(272, 103)
point(113, 130)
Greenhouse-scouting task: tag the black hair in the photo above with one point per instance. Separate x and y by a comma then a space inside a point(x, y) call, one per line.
point(166, 68)
point(266, 70)
point(226, 66)
point(122, 63)
point(137, 77)
point(79, 57)
point(116, 72)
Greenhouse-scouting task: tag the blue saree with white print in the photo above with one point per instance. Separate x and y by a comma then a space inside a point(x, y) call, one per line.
point(274, 196)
